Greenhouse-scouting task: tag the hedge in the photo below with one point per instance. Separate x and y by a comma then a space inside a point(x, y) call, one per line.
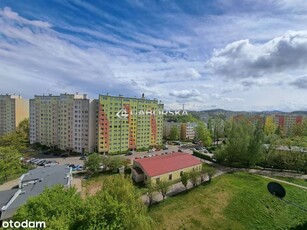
point(202, 156)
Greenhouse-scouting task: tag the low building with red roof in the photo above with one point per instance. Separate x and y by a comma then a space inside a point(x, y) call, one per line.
point(164, 167)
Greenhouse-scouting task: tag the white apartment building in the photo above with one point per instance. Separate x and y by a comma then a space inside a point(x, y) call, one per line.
point(63, 122)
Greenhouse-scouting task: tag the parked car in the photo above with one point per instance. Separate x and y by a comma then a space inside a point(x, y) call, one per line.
point(42, 163)
point(64, 155)
point(165, 147)
point(179, 150)
point(150, 151)
point(129, 153)
point(83, 158)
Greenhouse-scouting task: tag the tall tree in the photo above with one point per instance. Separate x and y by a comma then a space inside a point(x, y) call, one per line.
point(174, 133)
point(269, 126)
point(24, 127)
point(9, 162)
point(243, 144)
point(255, 147)
point(203, 134)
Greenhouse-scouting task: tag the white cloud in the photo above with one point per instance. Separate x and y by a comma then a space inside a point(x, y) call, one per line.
point(7, 13)
point(185, 93)
point(242, 59)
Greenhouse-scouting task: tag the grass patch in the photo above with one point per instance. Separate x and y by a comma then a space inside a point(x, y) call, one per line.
point(302, 182)
point(232, 201)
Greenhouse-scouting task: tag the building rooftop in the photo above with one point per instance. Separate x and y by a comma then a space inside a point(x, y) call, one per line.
point(33, 183)
point(6, 195)
point(162, 164)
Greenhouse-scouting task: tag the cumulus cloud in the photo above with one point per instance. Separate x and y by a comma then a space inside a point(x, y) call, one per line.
point(185, 93)
point(243, 59)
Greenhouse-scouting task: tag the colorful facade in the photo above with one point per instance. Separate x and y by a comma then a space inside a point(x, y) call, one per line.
point(13, 109)
point(128, 123)
point(287, 122)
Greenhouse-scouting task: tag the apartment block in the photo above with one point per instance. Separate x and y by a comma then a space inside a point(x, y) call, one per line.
point(63, 122)
point(13, 109)
point(287, 122)
point(252, 118)
point(168, 126)
point(128, 123)
point(188, 130)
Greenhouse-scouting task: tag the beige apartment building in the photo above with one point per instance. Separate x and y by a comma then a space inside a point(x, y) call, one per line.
point(186, 131)
point(13, 109)
point(63, 122)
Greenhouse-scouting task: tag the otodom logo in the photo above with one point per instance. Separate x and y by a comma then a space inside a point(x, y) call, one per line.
point(123, 114)
point(24, 224)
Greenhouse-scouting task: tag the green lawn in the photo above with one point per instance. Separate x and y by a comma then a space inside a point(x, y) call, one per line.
point(231, 201)
point(293, 180)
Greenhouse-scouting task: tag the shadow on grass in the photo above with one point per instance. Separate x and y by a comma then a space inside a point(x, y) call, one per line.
point(302, 226)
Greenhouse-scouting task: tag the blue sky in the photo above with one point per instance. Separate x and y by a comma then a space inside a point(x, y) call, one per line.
point(239, 55)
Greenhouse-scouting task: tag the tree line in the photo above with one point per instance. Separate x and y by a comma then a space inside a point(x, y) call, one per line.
point(194, 177)
point(245, 147)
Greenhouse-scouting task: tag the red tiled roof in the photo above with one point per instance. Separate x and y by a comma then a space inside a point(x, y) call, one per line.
point(162, 164)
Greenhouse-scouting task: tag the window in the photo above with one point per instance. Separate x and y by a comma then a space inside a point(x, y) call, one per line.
point(170, 176)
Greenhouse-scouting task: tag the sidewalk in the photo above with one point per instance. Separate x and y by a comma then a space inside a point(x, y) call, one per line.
point(174, 189)
point(8, 185)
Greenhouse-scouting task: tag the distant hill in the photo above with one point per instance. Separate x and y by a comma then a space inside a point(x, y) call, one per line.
point(226, 114)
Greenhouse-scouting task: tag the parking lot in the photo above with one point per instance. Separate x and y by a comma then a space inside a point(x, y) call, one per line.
point(76, 159)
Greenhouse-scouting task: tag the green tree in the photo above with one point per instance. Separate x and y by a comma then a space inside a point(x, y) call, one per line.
point(60, 208)
point(174, 133)
point(184, 179)
point(297, 130)
point(117, 162)
point(207, 170)
point(269, 126)
point(203, 134)
point(163, 187)
point(243, 146)
point(193, 177)
point(116, 206)
point(15, 140)
point(93, 163)
point(151, 188)
point(24, 127)
point(9, 162)
point(255, 147)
